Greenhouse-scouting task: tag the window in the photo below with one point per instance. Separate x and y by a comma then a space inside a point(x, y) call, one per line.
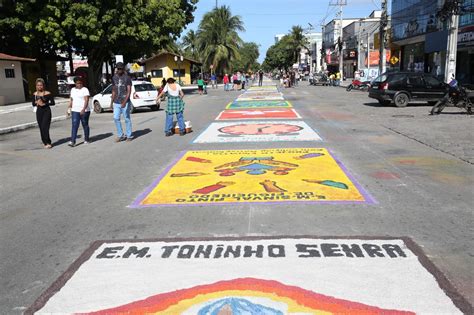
point(144, 87)
point(108, 90)
point(415, 80)
point(9, 73)
point(176, 73)
point(157, 73)
point(398, 79)
point(380, 78)
point(432, 81)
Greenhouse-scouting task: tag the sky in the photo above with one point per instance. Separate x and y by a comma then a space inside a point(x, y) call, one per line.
point(263, 19)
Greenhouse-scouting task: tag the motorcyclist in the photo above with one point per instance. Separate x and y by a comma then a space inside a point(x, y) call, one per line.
point(457, 96)
point(441, 104)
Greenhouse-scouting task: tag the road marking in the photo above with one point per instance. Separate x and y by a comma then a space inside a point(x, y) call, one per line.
point(257, 275)
point(308, 175)
point(258, 131)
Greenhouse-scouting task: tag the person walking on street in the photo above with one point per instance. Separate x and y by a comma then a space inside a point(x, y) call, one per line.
point(260, 78)
point(175, 106)
point(226, 82)
point(42, 100)
point(243, 80)
point(120, 102)
point(213, 81)
point(80, 111)
point(200, 83)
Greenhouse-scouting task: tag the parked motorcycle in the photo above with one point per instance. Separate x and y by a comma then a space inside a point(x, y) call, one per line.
point(457, 96)
point(358, 85)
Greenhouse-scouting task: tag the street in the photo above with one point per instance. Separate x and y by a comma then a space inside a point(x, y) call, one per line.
point(416, 170)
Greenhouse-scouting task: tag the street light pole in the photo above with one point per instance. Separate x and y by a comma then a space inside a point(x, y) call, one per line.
point(178, 60)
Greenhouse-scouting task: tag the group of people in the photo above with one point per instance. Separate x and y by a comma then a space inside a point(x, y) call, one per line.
point(238, 80)
point(79, 109)
point(290, 79)
point(334, 78)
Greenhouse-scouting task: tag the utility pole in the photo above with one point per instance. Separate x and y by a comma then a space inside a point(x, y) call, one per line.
point(450, 11)
point(368, 53)
point(340, 4)
point(359, 40)
point(383, 26)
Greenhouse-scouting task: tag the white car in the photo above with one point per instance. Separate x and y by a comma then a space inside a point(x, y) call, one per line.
point(143, 94)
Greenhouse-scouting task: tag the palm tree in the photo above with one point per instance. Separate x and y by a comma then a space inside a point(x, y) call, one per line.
point(298, 40)
point(189, 44)
point(218, 38)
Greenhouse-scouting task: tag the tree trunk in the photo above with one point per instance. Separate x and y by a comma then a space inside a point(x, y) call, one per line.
point(95, 72)
point(71, 63)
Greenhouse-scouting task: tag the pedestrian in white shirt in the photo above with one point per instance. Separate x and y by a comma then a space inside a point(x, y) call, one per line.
point(80, 111)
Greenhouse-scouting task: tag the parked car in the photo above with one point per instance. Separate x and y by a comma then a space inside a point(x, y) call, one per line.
point(403, 88)
point(319, 79)
point(143, 94)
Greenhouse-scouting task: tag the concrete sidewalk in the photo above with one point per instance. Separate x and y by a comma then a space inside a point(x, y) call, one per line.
point(20, 116)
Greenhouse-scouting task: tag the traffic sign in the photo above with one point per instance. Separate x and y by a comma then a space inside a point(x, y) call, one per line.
point(394, 60)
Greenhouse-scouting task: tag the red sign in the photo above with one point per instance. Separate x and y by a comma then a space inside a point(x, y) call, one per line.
point(272, 113)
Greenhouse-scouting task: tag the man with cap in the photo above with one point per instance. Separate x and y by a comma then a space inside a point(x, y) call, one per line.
point(120, 103)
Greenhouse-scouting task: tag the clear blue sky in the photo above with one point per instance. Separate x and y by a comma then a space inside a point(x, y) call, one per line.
point(263, 19)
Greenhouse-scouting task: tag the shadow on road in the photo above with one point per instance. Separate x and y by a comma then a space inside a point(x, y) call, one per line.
point(102, 136)
point(64, 140)
point(139, 133)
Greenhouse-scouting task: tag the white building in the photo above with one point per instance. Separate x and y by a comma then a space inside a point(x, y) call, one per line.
point(331, 34)
point(11, 79)
point(278, 37)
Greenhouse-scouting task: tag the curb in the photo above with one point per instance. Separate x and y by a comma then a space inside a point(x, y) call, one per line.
point(28, 125)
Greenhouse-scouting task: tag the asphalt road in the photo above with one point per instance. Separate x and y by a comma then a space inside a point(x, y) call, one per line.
point(54, 203)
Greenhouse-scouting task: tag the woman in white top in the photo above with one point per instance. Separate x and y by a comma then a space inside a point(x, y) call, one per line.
point(80, 111)
point(174, 106)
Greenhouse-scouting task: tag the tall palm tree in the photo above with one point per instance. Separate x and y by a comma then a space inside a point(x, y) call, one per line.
point(218, 38)
point(298, 40)
point(190, 44)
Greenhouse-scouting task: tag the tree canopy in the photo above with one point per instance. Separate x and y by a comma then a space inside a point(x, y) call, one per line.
point(218, 39)
point(96, 29)
point(248, 58)
point(285, 52)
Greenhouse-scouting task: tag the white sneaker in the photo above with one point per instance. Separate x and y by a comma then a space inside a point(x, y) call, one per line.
point(86, 142)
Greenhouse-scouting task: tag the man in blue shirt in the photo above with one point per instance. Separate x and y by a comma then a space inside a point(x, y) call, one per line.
point(214, 81)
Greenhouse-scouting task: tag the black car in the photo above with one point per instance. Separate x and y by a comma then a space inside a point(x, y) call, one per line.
point(402, 88)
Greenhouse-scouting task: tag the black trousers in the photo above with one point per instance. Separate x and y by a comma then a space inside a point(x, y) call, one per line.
point(43, 117)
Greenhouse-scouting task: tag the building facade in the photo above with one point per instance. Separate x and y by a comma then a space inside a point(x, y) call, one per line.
point(360, 52)
point(420, 38)
point(331, 42)
point(163, 66)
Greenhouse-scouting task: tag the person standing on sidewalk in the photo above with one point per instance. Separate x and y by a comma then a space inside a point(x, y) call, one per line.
point(260, 78)
point(42, 100)
point(175, 106)
point(80, 111)
point(121, 89)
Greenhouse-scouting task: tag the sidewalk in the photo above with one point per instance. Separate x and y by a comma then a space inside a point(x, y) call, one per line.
point(20, 116)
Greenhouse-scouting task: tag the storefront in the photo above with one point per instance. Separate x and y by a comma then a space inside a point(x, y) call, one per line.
point(465, 56)
point(350, 62)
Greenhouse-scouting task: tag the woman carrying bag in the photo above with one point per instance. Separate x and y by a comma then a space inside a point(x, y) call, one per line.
point(42, 100)
point(175, 106)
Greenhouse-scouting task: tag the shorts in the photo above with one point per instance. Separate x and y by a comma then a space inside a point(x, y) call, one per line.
point(200, 87)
